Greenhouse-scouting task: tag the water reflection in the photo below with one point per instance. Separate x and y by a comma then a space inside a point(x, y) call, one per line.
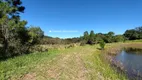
point(131, 61)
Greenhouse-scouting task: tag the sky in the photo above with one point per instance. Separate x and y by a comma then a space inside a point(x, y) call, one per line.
point(70, 18)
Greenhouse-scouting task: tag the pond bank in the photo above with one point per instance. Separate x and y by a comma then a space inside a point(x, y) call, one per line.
point(113, 51)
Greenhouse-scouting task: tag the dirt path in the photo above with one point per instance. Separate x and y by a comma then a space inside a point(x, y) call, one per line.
point(69, 67)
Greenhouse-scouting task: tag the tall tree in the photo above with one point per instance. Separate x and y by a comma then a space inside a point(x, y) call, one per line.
point(92, 35)
point(86, 36)
point(110, 37)
point(9, 14)
point(131, 34)
point(111, 33)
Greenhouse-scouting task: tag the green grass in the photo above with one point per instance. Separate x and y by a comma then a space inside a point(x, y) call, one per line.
point(16, 67)
point(101, 70)
point(134, 41)
point(77, 63)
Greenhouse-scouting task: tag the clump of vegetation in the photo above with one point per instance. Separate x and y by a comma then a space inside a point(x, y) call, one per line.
point(15, 37)
point(134, 34)
point(102, 44)
point(71, 45)
point(82, 43)
point(38, 48)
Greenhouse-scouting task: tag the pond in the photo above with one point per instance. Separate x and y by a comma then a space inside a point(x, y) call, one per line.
point(131, 62)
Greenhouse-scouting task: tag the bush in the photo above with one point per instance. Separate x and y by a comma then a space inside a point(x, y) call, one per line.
point(38, 48)
point(102, 44)
point(90, 42)
point(82, 43)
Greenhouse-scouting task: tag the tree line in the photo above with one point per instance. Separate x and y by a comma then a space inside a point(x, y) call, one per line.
point(94, 38)
point(57, 40)
point(15, 37)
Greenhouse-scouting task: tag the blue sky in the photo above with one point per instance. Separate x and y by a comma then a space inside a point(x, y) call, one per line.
point(77, 16)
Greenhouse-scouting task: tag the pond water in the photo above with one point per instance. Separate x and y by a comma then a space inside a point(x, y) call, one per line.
point(131, 61)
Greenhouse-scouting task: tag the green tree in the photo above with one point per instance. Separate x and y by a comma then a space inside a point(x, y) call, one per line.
point(110, 37)
point(86, 36)
point(14, 35)
point(111, 33)
point(98, 37)
point(92, 35)
point(131, 34)
point(119, 38)
point(9, 14)
point(35, 34)
point(139, 31)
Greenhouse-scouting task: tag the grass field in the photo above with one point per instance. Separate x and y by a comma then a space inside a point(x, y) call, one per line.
point(77, 63)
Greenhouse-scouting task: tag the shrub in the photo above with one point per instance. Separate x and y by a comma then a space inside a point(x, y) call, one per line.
point(90, 42)
point(102, 44)
point(38, 48)
point(82, 43)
